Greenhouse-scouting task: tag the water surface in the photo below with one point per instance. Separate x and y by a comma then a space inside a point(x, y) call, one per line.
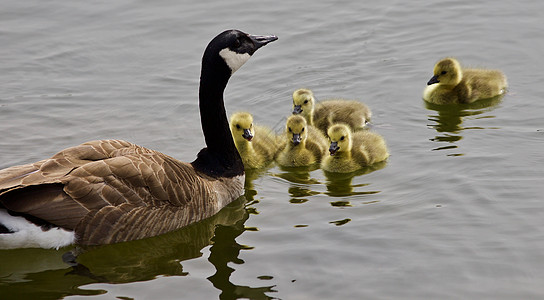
point(455, 212)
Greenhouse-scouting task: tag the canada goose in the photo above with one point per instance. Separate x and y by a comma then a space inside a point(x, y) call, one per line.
point(323, 114)
point(453, 84)
point(303, 145)
point(351, 151)
point(256, 144)
point(110, 191)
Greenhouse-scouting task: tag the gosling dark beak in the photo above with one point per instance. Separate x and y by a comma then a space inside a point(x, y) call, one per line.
point(297, 109)
point(247, 135)
point(296, 138)
point(333, 148)
point(433, 80)
point(261, 40)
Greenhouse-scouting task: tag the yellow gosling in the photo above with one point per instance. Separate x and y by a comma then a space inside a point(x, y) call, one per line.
point(256, 144)
point(303, 145)
point(351, 151)
point(453, 84)
point(323, 114)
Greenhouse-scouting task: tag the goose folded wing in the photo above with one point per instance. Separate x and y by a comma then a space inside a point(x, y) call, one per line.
point(99, 183)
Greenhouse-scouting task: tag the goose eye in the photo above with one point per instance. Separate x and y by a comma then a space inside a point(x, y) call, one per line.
point(237, 43)
point(342, 138)
point(237, 126)
point(443, 72)
point(305, 101)
point(302, 129)
point(290, 129)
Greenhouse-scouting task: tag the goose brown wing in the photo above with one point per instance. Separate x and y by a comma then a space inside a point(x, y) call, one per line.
point(96, 184)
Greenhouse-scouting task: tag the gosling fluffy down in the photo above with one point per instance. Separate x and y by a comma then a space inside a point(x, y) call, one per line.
point(301, 144)
point(323, 114)
point(256, 144)
point(453, 84)
point(351, 151)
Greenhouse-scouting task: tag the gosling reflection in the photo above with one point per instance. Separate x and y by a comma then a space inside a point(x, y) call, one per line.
point(301, 182)
point(341, 184)
point(448, 121)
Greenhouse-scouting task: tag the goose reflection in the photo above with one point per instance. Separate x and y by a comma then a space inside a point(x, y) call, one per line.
point(448, 121)
point(139, 260)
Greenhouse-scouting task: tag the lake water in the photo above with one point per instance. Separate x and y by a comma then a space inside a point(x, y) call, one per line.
point(457, 211)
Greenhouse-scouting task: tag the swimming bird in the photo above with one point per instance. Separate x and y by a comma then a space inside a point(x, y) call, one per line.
point(109, 191)
point(325, 113)
point(351, 151)
point(453, 84)
point(303, 144)
point(256, 144)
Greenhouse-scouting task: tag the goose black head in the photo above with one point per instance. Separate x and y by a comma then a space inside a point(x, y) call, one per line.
point(235, 47)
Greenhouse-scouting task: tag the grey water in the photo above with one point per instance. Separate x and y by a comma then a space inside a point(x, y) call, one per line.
point(456, 212)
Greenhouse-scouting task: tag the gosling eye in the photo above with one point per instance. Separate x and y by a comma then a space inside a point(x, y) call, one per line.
point(443, 72)
point(302, 129)
point(305, 101)
point(342, 138)
point(237, 126)
point(290, 129)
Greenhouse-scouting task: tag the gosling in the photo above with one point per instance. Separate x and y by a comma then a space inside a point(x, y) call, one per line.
point(453, 84)
point(351, 151)
point(256, 144)
point(303, 145)
point(324, 114)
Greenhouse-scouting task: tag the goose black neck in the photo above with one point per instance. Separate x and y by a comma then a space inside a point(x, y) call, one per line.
point(220, 157)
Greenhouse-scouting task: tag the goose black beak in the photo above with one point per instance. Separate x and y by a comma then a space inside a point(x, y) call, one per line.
point(261, 40)
point(333, 148)
point(296, 139)
point(433, 80)
point(297, 109)
point(247, 135)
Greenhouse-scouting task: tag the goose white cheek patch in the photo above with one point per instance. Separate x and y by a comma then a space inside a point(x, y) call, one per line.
point(234, 60)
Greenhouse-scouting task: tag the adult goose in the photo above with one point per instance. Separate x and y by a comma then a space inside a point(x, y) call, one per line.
point(111, 191)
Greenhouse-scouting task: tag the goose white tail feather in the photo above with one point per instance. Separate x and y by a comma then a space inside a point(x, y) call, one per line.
point(28, 235)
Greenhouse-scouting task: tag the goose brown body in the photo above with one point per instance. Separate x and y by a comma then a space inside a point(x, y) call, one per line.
point(111, 191)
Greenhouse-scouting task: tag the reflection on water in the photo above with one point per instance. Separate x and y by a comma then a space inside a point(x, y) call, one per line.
point(301, 182)
point(302, 185)
point(448, 122)
point(340, 184)
point(29, 273)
